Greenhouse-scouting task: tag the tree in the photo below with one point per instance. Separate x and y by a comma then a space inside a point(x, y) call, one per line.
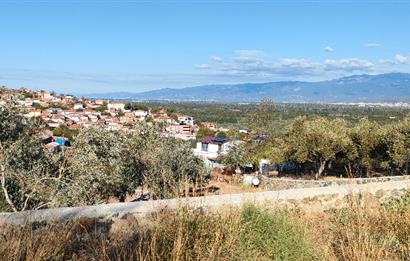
point(102, 108)
point(202, 132)
point(316, 142)
point(236, 157)
point(262, 118)
point(26, 167)
point(368, 149)
point(166, 166)
point(64, 131)
point(221, 134)
point(94, 168)
point(399, 144)
point(101, 164)
point(133, 106)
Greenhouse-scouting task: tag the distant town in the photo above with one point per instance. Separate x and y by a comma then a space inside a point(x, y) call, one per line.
point(65, 115)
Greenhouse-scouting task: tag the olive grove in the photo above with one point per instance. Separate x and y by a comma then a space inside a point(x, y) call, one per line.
point(100, 165)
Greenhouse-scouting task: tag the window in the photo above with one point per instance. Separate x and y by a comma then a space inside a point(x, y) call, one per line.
point(204, 146)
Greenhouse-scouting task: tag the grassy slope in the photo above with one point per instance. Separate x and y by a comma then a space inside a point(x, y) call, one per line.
point(354, 233)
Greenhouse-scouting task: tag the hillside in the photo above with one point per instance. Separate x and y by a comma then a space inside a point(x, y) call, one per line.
point(357, 88)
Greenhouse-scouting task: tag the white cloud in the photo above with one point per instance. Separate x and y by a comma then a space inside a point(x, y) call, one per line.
point(298, 63)
point(256, 65)
point(349, 65)
point(216, 59)
point(372, 45)
point(202, 66)
point(247, 60)
point(251, 53)
point(386, 61)
point(328, 49)
point(401, 59)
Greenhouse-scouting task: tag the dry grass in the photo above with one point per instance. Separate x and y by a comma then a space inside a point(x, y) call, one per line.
point(354, 233)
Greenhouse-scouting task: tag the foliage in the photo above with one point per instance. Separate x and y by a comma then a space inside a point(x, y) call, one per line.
point(133, 106)
point(102, 108)
point(261, 119)
point(202, 132)
point(92, 168)
point(64, 131)
point(322, 146)
point(272, 236)
point(26, 167)
point(221, 134)
point(101, 164)
point(167, 165)
point(314, 142)
point(238, 234)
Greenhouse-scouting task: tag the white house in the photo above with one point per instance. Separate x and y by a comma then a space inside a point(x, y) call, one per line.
point(77, 106)
point(209, 148)
point(141, 114)
point(186, 120)
point(116, 105)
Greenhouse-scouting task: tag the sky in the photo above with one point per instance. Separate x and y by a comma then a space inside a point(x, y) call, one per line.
point(109, 46)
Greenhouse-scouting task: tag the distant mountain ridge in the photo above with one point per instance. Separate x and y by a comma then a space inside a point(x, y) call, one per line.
point(356, 88)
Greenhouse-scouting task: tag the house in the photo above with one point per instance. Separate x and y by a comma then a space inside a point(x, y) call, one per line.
point(209, 148)
point(140, 114)
point(33, 113)
point(209, 125)
point(78, 106)
point(119, 106)
point(181, 129)
point(186, 120)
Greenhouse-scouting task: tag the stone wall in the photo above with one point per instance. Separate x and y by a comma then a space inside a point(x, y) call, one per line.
point(286, 183)
point(311, 199)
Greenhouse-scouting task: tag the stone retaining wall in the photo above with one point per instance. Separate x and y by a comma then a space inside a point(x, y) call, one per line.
point(312, 199)
point(286, 183)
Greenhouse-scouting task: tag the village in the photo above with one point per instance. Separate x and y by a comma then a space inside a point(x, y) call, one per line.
point(65, 115)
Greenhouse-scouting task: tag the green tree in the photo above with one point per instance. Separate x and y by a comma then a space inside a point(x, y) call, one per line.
point(26, 167)
point(202, 132)
point(221, 134)
point(399, 144)
point(64, 131)
point(102, 108)
point(94, 167)
point(368, 149)
point(165, 165)
point(316, 142)
point(261, 119)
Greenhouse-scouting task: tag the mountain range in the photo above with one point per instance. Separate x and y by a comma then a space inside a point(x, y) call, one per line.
point(357, 88)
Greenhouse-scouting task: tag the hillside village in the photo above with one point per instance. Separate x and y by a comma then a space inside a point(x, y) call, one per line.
point(65, 115)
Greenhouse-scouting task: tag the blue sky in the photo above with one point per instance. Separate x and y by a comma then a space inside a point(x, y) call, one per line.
point(104, 46)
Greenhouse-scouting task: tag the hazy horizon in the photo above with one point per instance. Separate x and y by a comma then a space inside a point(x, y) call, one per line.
point(130, 46)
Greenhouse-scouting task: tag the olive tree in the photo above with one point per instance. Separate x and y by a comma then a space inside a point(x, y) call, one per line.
point(26, 167)
point(316, 142)
point(166, 166)
point(399, 144)
point(261, 119)
point(100, 165)
point(93, 168)
point(368, 149)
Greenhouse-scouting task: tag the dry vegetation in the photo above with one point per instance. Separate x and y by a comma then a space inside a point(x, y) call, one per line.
point(355, 233)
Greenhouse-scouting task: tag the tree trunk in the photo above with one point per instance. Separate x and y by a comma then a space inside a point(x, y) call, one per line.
point(320, 170)
point(348, 170)
point(5, 192)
